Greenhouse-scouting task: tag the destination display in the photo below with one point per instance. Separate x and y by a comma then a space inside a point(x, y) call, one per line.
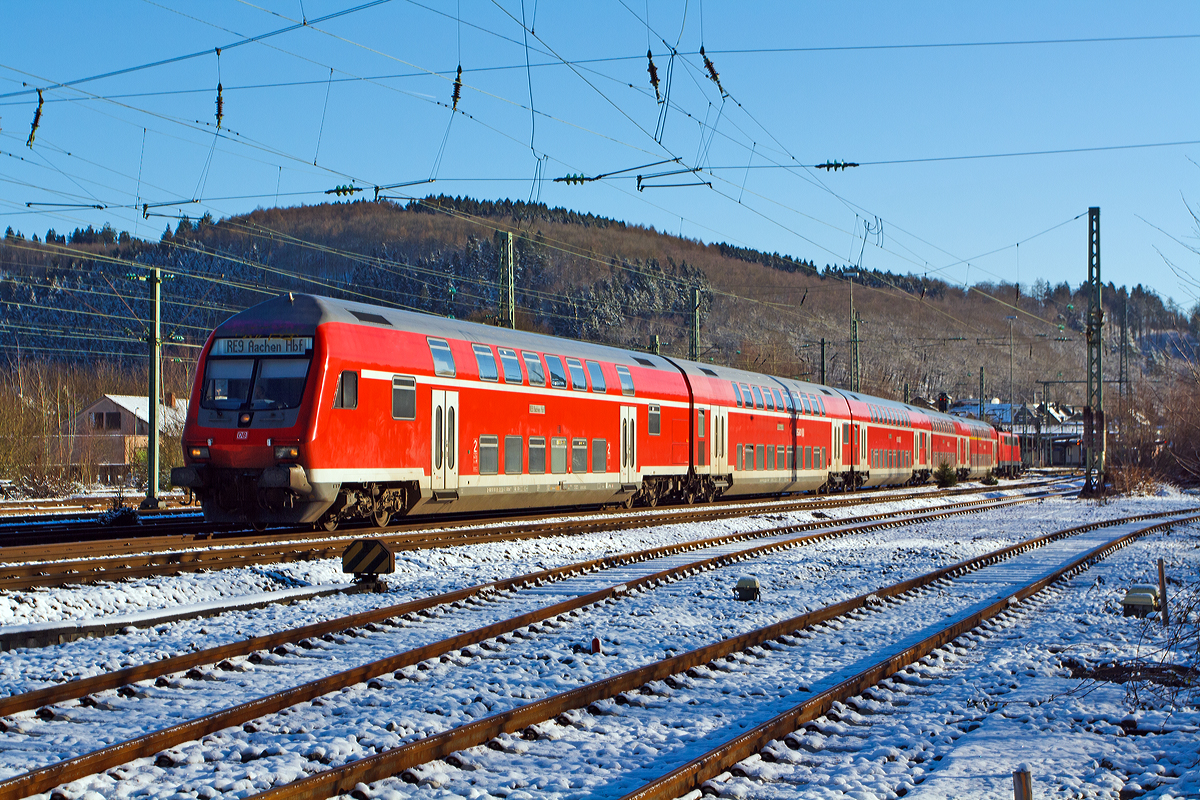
point(274, 346)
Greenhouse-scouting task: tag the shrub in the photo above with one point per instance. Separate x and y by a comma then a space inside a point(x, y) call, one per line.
point(945, 475)
point(989, 480)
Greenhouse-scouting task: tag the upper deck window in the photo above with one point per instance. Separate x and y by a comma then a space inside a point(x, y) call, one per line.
point(533, 365)
point(737, 394)
point(807, 407)
point(597, 376)
point(767, 397)
point(578, 379)
point(778, 399)
point(626, 381)
point(558, 376)
point(758, 398)
point(486, 361)
point(443, 359)
point(512, 366)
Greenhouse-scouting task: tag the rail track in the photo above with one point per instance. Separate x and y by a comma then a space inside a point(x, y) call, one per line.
point(89, 561)
point(121, 679)
point(547, 618)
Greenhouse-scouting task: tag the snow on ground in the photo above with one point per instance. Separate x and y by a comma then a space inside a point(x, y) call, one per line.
point(635, 630)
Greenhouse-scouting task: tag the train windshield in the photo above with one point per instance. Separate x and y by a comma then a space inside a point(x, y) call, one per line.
point(227, 383)
point(277, 383)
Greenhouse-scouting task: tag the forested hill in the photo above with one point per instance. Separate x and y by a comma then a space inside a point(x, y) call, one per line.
point(78, 295)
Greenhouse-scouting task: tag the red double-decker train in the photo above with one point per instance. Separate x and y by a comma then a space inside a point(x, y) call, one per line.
point(313, 410)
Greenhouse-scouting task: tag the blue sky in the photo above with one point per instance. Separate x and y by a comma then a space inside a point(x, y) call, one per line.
point(148, 136)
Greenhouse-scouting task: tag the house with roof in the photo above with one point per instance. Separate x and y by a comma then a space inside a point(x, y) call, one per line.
point(111, 432)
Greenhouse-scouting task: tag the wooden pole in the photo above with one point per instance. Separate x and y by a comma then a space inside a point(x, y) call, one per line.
point(1162, 593)
point(1022, 785)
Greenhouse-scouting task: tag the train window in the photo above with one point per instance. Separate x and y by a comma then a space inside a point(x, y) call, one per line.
point(759, 464)
point(701, 428)
point(781, 457)
point(443, 359)
point(790, 459)
point(558, 376)
point(597, 376)
point(533, 365)
point(767, 397)
point(778, 399)
point(346, 394)
point(787, 399)
point(558, 454)
point(513, 445)
point(808, 460)
point(438, 446)
point(578, 379)
point(279, 383)
point(486, 361)
point(227, 383)
point(654, 419)
point(758, 400)
point(807, 405)
point(537, 455)
point(599, 455)
point(626, 381)
point(740, 462)
point(451, 447)
point(737, 394)
point(510, 364)
point(579, 462)
point(489, 455)
point(404, 397)
point(821, 403)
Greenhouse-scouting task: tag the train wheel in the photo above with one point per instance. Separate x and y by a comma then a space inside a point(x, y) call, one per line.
point(382, 516)
point(329, 523)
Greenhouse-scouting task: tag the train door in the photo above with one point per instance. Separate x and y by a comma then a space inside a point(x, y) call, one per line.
point(444, 472)
point(628, 444)
point(720, 439)
point(704, 440)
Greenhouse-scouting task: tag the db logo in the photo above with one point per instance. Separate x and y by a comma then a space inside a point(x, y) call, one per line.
point(243, 434)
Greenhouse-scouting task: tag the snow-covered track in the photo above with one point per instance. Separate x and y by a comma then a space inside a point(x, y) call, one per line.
point(77, 689)
point(90, 560)
point(574, 731)
point(150, 744)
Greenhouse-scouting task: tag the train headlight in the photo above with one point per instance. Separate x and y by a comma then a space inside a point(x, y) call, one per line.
point(198, 452)
point(287, 453)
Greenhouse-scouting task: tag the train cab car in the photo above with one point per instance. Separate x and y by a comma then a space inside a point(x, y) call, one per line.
point(312, 410)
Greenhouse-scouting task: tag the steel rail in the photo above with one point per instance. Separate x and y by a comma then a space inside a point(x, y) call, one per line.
point(96, 539)
point(46, 778)
point(344, 779)
point(691, 776)
point(82, 687)
point(123, 563)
